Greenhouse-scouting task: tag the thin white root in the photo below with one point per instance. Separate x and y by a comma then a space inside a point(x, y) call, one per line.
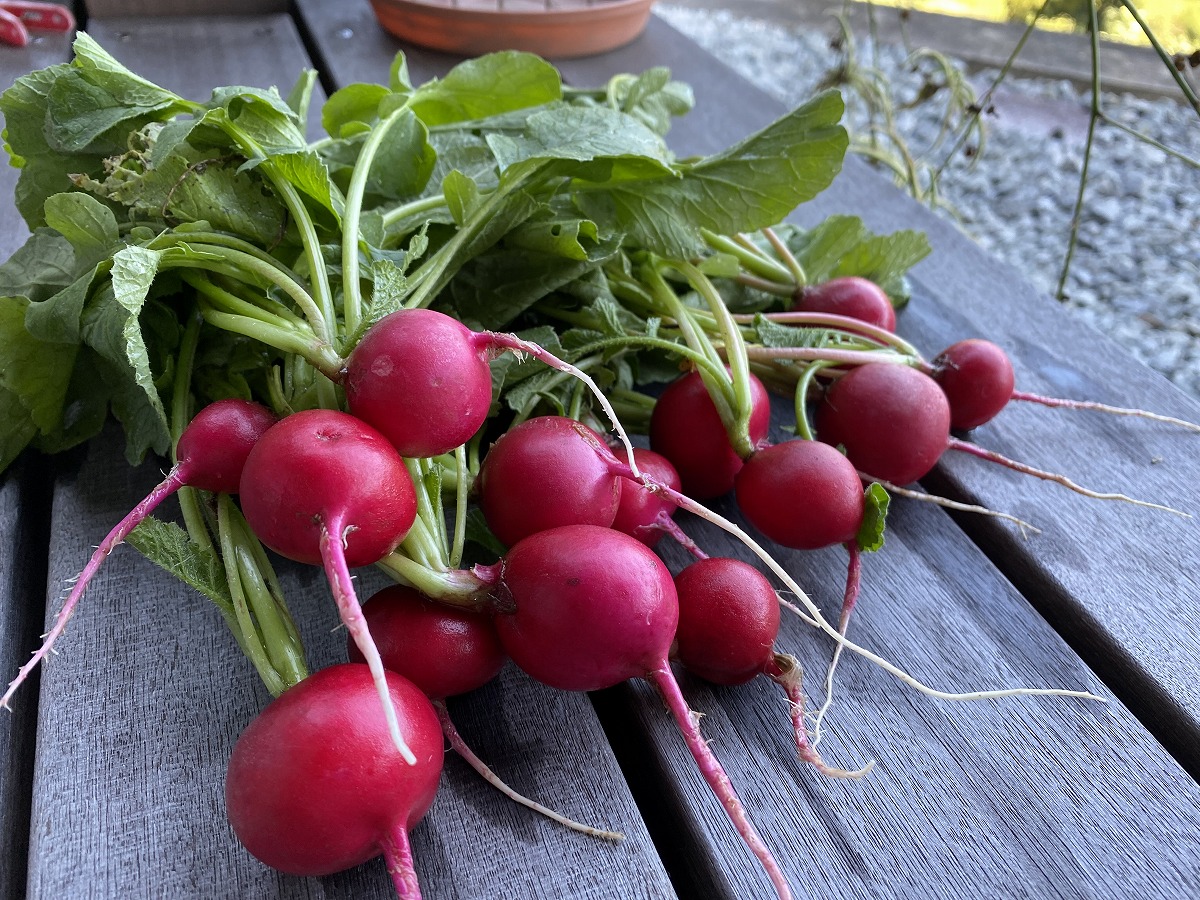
point(1024, 526)
point(811, 614)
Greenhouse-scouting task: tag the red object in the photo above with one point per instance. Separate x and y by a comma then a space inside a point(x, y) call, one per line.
point(18, 16)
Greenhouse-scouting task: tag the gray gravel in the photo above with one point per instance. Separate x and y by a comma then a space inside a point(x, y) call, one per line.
point(1136, 270)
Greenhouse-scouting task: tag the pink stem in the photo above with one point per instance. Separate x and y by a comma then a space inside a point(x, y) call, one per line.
point(1102, 407)
point(714, 774)
point(998, 458)
point(398, 855)
point(785, 672)
point(665, 523)
point(853, 586)
point(334, 558)
point(175, 479)
point(485, 772)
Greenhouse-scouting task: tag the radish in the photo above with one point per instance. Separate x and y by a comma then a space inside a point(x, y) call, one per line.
point(850, 296)
point(581, 608)
point(423, 379)
point(445, 651)
point(686, 428)
point(801, 494)
point(728, 624)
point(544, 472)
point(892, 420)
point(210, 455)
point(324, 488)
point(647, 515)
point(977, 379)
point(312, 788)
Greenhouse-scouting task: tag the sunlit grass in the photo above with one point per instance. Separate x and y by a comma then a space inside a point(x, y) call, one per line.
point(1176, 23)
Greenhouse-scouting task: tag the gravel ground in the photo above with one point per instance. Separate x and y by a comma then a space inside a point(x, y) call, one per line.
point(1136, 269)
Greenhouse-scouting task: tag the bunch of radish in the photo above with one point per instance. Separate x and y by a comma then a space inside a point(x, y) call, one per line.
point(393, 390)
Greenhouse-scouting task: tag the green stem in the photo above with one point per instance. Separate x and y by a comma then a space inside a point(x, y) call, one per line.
point(751, 258)
point(803, 384)
point(462, 481)
point(1076, 216)
point(248, 635)
point(352, 302)
point(238, 263)
point(309, 239)
point(189, 501)
point(279, 641)
point(1186, 88)
point(232, 303)
point(458, 587)
point(319, 355)
point(735, 355)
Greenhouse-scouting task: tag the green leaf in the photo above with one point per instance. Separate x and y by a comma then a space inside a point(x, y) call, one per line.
point(584, 134)
point(167, 545)
point(103, 70)
point(495, 288)
point(59, 318)
point(871, 533)
point(885, 259)
point(87, 223)
point(485, 86)
point(352, 109)
point(404, 163)
point(111, 326)
point(40, 267)
point(299, 98)
point(44, 170)
point(462, 195)
point(262, 115)
point(749, 186)
point(33, 380)
point(651, 97)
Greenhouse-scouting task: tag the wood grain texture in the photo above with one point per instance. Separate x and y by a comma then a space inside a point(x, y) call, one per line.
point(141, 9)
point(24, 528)
point(141, 709)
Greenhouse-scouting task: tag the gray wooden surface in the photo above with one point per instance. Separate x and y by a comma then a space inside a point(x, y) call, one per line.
point(1015, 798)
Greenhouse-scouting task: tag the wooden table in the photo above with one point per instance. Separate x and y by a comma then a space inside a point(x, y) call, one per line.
point(113, 762)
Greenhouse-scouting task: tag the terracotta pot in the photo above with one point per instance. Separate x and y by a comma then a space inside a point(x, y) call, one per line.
point(570, 28)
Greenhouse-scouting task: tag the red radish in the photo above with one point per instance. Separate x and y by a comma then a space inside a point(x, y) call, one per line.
point(801, 494)
point(728, 620)
point(977, 378)
point(312, 787)
point(323, 487)
point(686, 428)
point(422, 378)
point(648, 515)
point(893, 421)
point(581, 607)
point(210, 455)
point(851, 296)
point(544, 472)
point(445, 651)
point(728, 625)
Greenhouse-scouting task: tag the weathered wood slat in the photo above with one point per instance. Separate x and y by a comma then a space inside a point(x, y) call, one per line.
point(141, 709)
point(1019, 797)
